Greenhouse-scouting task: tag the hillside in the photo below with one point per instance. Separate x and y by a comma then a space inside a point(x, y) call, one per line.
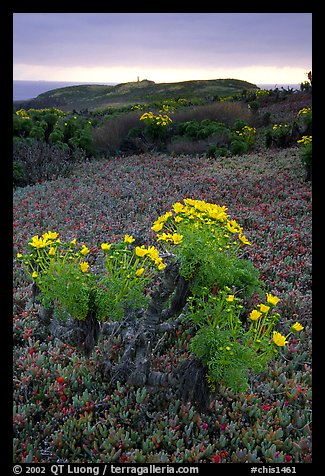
point(124, 94)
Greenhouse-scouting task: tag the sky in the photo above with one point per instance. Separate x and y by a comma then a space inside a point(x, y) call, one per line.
point(162, 47)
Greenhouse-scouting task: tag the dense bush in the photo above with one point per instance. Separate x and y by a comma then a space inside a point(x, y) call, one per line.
point(67, 131)
point(222, 140)
point(35, 160)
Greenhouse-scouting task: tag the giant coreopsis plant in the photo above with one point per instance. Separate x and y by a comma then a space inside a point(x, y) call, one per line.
point(197, 276)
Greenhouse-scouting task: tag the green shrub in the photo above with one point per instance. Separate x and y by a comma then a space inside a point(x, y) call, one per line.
point(239, 146)
point(279, 136)
point(215, 151)
point(18, 173)
point(205, 246)
point(306, 154)
point(37, 132)
point(305, 120)
point(254, 105)
point(54, 126)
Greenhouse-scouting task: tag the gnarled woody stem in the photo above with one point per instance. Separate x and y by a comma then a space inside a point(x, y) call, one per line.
point(136, 361)
point(140, 337)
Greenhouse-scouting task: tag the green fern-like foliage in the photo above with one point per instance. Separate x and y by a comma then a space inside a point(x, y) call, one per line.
point(228, 360)
point(206, 265)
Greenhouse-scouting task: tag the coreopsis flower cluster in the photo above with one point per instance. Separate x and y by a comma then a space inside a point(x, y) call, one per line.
point(264, 320)
point(47, 249)
point(63, 275)
point(161, 120)
point(198, 214)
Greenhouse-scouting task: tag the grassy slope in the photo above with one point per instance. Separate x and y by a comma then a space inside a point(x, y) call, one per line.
point(97, 96)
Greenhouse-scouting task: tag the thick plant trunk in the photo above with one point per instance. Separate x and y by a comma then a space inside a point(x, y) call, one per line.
point(140, 335)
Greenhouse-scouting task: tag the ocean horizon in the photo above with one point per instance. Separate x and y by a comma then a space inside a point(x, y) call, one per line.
point(24, 90)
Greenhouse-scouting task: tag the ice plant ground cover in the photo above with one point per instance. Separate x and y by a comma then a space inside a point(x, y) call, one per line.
point(65, 412)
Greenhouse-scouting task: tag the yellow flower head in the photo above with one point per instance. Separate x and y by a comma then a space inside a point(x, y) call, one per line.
point(34, 275)
point(161, 266)
point(297, 327)
point(177, 239)
point(153, 253)
point(230, 298)
point(305, 140)
point(279, 339)
point(139, 272)
point(178, 207)
point(140, 251)
point(264, 308)
point(254, 315)
point(129, 239)
point(244, 240)
point(19, 255)
point(52, 251)
point(164, 237)
point(84, 266)
point(73, 242)
point(105, 246)
point(233, 227)
point(272, 299)
point(157, 226)
point(50, 235)
point(84, 250)
point(38, 242)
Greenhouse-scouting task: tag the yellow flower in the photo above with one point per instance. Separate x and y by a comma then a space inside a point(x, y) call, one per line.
point(153, 253)
point(264, 308)
point(254, 315)
point(84, 250)
point(140, 251)
point(279, 339)
point(52, 251)
point(305, 140)
point(297, 327)
point(244, 240)
point(177, 238)
point(178, 207)
point(19, 255)
point(230, 298)
point(233, 226)
point(304, 110)
point(157, 226)
point(139, 272)
point(73, 242)
point(105, 246)
point(34, 275)
point(84, 266)
point(164, 237)
point(178, 219)
point(50, 235)
point(161, 266)
point(129, 239)
point(36, 242)
point(272, 299)
point(159, 223)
